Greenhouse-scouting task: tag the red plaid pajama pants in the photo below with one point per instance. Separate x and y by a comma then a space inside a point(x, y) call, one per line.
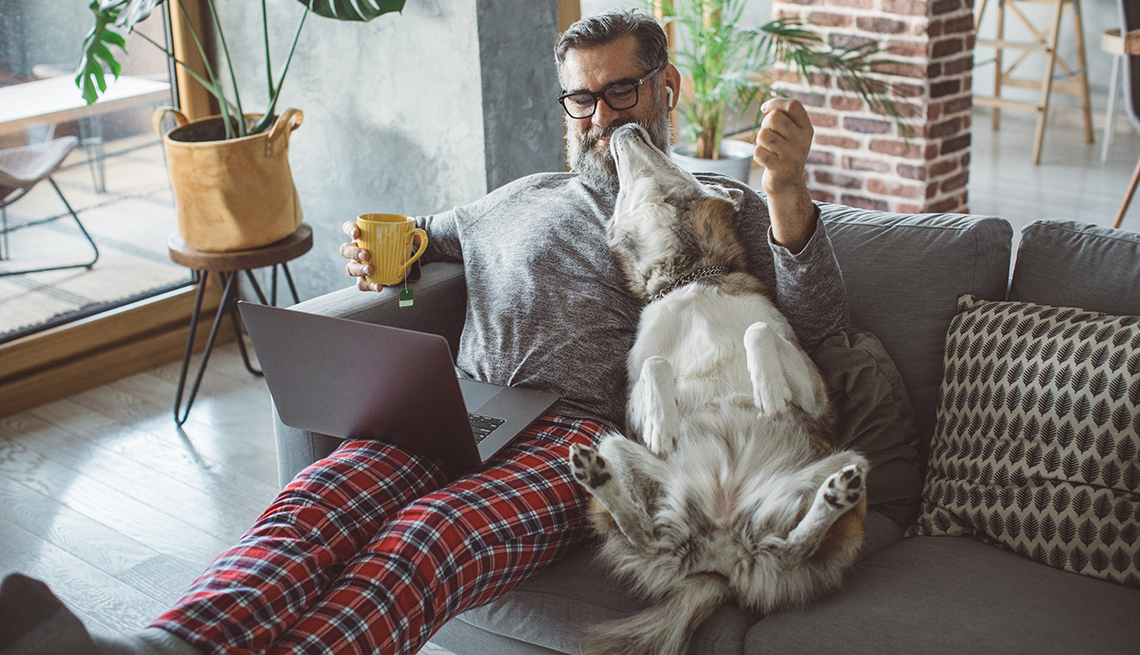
point(373, 549)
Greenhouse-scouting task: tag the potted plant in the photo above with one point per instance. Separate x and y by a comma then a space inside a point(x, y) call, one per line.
point(731, 68)
point(230, 174)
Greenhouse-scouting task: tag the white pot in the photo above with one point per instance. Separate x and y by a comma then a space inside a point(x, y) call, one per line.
point(735, 160)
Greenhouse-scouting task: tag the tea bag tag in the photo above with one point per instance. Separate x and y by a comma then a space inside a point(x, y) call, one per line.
point(405, 297)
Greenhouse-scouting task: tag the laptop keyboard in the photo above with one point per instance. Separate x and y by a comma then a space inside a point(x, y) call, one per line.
point(483, 425)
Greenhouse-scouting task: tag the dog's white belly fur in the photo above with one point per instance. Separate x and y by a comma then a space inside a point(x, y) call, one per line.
point(732, 471)
point(700, 332)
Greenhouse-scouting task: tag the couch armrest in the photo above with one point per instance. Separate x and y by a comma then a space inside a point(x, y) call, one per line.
point(440, 308)
point(440, 304)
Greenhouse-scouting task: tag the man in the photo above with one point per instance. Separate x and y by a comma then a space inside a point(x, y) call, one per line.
point(372, 549)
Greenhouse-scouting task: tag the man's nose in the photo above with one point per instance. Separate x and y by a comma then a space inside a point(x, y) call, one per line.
point(603, 115)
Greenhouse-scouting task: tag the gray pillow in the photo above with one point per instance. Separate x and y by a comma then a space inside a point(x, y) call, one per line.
point(876, 418)
point(904, 274)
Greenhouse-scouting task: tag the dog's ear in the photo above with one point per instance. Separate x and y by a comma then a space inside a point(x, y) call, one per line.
point(737, 197)
point(734, 195)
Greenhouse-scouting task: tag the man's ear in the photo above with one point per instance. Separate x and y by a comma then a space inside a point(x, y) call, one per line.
point(672, 78)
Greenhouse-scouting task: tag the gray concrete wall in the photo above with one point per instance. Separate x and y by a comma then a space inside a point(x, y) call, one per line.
point(521, 115)
point(409, 113)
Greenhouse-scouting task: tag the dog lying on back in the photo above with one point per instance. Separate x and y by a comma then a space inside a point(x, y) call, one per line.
point(736, 490)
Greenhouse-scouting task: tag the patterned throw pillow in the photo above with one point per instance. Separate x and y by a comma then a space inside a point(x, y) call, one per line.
point(1038, 433)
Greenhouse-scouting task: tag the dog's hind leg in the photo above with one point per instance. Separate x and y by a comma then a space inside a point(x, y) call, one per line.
point(642, 474)
point(782, 374)
point(653, 407)
point(840, 492)
point(626, 479)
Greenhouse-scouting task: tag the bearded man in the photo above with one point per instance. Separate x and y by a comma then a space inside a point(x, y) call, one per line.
point(373, 549)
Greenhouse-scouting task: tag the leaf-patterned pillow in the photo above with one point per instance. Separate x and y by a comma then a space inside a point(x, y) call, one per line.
point(1038, 433)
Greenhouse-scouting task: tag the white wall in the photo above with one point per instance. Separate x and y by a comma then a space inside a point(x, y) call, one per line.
point(1097, 16)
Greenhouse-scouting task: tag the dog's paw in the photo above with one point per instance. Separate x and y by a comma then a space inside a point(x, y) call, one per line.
point(843, 489)
point(771, 392)
point(589, 468)
point(659, 442)
point(773, 400)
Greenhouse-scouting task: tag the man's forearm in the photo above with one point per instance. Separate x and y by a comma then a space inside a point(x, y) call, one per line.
point(793, 219)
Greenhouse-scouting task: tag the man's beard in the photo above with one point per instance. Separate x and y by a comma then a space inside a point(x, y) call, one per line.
point(596, 168)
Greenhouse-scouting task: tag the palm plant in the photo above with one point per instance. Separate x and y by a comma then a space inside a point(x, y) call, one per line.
point(731, 65)
point(114, 19)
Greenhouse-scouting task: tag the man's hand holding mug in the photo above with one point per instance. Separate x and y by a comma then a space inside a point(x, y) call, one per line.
point(381, 251)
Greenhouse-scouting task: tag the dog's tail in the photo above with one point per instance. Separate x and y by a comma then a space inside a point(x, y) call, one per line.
point(665, 628)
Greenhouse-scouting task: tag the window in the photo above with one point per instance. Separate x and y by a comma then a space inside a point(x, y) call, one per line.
point(115, 181)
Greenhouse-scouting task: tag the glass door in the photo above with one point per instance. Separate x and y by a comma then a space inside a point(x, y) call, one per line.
point(112, 186)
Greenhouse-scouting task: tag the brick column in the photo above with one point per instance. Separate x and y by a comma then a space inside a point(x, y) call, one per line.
point(859, 157)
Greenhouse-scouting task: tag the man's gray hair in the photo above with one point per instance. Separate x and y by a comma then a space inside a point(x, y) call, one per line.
point(606, 27)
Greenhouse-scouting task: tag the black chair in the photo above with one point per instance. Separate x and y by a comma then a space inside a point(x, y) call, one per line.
point(23, 168)
point(1130, 29)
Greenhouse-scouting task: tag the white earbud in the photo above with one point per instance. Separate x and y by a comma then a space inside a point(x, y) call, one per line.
point(669, 95)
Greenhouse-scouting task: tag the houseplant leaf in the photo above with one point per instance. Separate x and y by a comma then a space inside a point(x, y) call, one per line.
point(114, 19)
point(730, 65)
point(97, 57)
point(135, 11)
point(353, 10)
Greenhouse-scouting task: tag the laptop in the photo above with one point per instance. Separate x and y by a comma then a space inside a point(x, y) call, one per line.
point(358, 380)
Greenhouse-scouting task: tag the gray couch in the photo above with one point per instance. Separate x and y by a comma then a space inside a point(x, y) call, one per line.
point(904, 274)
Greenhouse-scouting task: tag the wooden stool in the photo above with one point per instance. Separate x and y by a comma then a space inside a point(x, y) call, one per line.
point(1045, 40)
point(1131, 45)
point(227, 266)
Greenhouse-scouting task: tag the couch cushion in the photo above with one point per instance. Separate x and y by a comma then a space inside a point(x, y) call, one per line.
point(1037, 448)
point(957, 595)
point(1074, 264)
point(904, 274)
point(553, 609)
point(876, 418)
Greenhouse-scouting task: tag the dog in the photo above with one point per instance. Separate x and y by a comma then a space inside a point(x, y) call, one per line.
point(736, 490)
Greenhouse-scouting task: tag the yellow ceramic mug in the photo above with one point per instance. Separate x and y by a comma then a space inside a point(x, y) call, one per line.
point(388, 238)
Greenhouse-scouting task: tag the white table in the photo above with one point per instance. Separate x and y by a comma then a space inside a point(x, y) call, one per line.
point(58, 100)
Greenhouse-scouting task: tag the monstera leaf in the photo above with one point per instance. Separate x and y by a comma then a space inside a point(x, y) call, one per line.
point(115, 19)
point(358, 10)
point(97, 55)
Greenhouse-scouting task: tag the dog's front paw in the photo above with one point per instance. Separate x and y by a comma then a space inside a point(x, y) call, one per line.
point(773, 400)
point(843, 489)
point(589, 468)
point(659, 442)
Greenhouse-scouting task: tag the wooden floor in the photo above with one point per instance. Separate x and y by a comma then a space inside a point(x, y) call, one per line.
point(102, 497)
point(1070, 183)
point(117, 509)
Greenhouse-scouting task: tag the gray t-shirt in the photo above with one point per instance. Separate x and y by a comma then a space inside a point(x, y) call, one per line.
point(547, 306)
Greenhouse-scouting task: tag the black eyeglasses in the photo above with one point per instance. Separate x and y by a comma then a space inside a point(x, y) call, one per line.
point(583, 104)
